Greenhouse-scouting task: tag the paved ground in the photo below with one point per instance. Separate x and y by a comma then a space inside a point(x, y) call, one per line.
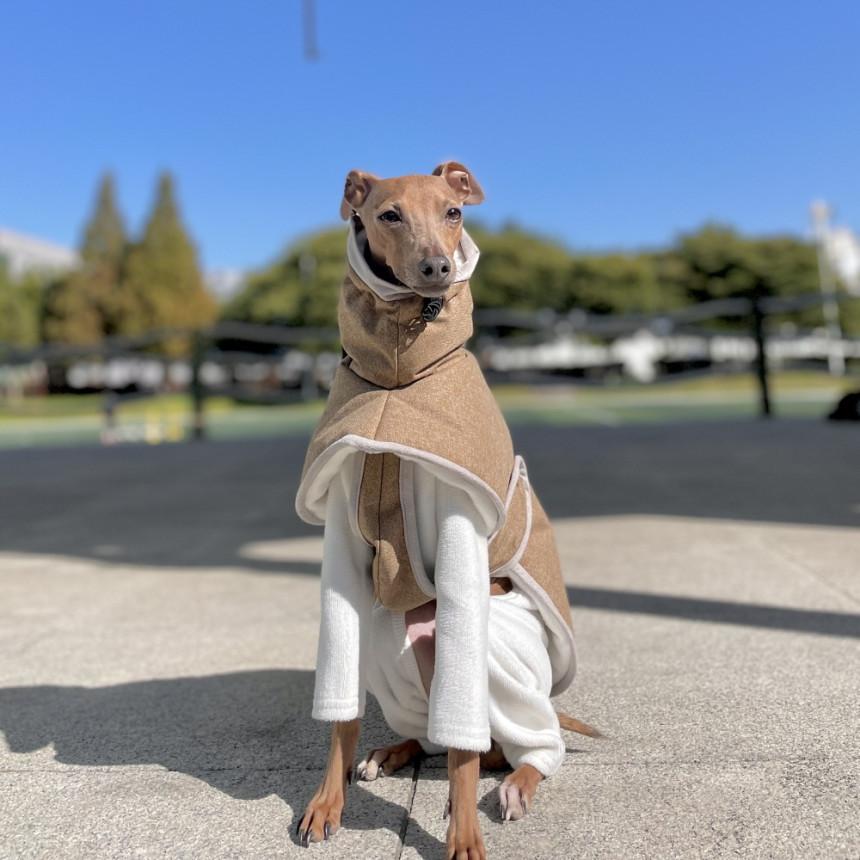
point(157, 638)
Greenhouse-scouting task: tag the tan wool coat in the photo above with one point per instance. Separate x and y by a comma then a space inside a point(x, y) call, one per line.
point(409, 393)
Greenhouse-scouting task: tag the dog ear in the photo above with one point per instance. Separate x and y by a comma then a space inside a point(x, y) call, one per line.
point(461, 180)
point(355, 191)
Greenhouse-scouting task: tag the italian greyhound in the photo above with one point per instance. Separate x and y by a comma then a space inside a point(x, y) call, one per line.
point(412, 229)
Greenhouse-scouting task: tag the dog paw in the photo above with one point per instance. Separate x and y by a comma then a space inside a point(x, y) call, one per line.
point(464, 840)
point(387, 760)
point(517, 792)
point(512, 803)
point(321, 819)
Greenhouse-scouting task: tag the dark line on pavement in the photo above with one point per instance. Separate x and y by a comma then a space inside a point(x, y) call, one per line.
point(404, 827)
point(717, 611)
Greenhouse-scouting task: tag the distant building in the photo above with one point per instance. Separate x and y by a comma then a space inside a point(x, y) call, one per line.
point(224, 283)
point(22, 254)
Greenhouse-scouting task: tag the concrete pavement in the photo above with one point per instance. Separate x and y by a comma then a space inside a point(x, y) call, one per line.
point(158, 611)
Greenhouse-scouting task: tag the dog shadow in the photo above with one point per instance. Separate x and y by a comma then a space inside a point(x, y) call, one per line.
point(247, 734)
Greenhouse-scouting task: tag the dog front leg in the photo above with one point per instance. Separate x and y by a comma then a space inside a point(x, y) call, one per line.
point(465, 841)
point(322, 816)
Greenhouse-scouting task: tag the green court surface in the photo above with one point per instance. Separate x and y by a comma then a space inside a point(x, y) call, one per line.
point(71, 419)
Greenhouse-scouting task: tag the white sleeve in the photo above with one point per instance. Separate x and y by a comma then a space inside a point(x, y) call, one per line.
point(459, 710)
point(346, 604)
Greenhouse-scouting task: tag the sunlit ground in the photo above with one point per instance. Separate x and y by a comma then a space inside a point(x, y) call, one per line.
point(78, 419)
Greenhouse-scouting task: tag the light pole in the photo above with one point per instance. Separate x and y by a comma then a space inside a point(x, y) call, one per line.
point(820, 212)
point(309, 25)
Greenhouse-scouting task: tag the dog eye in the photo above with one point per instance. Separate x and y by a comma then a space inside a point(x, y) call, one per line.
point(454, 214)
point(389, 217)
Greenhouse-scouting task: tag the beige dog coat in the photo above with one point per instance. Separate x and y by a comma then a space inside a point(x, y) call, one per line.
point(409, 392)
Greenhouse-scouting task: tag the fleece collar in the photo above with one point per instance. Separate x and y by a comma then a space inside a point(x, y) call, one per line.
point(465, 260)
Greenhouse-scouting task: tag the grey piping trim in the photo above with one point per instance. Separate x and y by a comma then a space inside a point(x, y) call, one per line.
point(410, 527)
point(371, 446)
point(556, 624)
point(516, 473)
point(358, 480)
point(520, 473)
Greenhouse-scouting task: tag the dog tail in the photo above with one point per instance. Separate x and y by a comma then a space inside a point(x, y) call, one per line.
point(571, 724)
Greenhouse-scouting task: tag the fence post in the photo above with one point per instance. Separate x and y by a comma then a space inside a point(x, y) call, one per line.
point(310, 389)
point(198, 389)
point(758, 320)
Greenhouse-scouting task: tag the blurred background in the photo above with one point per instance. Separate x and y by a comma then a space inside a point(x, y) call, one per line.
point(671, 192)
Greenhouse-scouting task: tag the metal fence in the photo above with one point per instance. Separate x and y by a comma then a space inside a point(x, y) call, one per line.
point(272, 363)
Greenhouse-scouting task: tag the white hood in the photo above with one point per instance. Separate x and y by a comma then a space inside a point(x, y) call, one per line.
point(465, 260)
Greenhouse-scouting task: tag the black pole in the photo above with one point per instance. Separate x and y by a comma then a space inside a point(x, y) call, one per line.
point(309, 22)
point(198, 389)
point(758, 320)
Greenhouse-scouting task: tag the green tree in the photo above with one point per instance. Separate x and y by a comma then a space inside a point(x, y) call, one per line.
point(526, 271)
point(718, 262)
point(83, 307)
point(618, 283)
point(300, 288)
point(19, 309)
point(519, 270)
point(163, 286)
point(104, 239)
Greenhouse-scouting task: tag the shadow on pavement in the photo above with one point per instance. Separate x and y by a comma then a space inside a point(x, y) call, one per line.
point(198, 506)
point(717, 611)
point(247, 734)
point(184, 506)
point(795, 472)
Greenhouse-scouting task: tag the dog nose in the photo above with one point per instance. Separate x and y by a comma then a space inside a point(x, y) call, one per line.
point(435, 269)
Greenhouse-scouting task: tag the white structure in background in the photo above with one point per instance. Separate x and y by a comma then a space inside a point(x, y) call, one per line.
point(23, 254)
point(838, 259)
point(290, 370)
point(641, 353)
point(842, 248)
point(224, 283)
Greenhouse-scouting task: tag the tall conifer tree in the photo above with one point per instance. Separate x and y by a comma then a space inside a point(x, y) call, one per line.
point(164, 287)
point(85, 306)
point(104, 240)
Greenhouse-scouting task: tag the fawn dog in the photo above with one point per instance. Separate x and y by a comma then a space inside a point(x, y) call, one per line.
point(438, 561)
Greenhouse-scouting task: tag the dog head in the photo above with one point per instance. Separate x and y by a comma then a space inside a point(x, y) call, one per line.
point(413, 223)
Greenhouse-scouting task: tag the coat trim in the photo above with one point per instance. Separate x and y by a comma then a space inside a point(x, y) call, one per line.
point(356, 496)
point(563, 633)
point(519, 476)
point(310, 499)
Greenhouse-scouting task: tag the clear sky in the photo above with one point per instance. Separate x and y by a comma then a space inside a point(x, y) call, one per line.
point(605, 124)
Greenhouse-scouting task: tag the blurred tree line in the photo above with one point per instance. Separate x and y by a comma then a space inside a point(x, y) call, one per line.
point(524, 271)
point(20, 308)
point(129, 286)
point(122, 286)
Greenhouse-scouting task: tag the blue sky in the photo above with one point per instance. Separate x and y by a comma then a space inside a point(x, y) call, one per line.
point(604, 124)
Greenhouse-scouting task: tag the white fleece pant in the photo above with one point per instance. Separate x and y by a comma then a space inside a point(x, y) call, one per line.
point(522, 718)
